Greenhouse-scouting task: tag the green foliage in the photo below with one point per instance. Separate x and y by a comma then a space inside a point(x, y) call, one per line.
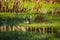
point(19, 35)
point(19, 18)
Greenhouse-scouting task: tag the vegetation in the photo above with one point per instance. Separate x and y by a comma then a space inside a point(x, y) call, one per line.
point(19, 35)
point(27, 13)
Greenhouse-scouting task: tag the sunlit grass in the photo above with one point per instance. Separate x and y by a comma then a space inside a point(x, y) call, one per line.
point(41, 25)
